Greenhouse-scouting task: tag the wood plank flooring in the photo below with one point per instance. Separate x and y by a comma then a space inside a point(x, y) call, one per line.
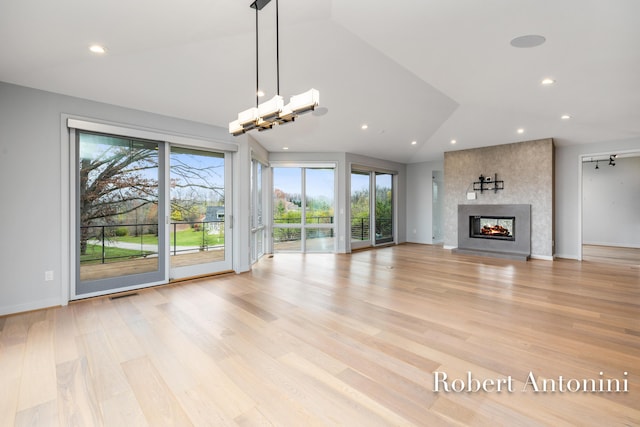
point(324, 340)
point(611, 255)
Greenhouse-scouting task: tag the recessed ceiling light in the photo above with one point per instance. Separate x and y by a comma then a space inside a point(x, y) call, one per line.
point(565, 117)
point(548, 81)
point(531, 40)
point(520, 130)
point(414, 142)
point(96, 48)
point(260, 93)
point(453, 141)
point(364, 126)
point(285, 148)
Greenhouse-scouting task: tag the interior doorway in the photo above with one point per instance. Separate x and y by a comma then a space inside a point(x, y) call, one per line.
point(437, 207)
point(610, 230)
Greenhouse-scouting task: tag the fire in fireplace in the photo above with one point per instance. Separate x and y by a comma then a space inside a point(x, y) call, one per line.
point(495, 227)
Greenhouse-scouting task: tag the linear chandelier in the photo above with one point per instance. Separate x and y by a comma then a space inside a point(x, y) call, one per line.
point(274, 111)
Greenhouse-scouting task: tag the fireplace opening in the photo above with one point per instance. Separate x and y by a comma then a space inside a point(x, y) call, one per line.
point(492, 227)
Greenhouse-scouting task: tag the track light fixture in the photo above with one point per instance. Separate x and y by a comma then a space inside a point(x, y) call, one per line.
point(612, 160)
point(274, 111)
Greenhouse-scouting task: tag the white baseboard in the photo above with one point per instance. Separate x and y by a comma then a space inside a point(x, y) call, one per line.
point(31, 306)
point(449, 247)
point(542, 257)
point(419, 242)
point(615, 245)
point(568, 256)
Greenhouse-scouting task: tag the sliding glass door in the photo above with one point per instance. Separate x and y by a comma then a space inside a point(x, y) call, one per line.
point(383, 208)
point(303, 209)
point(120, 188)
point(198, 235)
point(287, 209)
point(258, 226)
point(319, 209)
point(147, 212)
point(360, 209)
point(372, 208)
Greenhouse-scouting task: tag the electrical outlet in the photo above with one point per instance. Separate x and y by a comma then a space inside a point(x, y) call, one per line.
point(48, 275)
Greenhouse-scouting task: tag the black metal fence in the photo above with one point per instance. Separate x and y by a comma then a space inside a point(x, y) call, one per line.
point(360, 228)
point(295, 234)
point(106, 243)
point(310, 220)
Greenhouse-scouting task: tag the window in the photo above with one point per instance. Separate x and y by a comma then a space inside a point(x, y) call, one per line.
point(258, 228)
point(372, 207)
point(303, 209)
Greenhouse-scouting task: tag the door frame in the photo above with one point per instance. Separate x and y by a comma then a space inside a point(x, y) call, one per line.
point(581, 158)
point(180, 273)
point(255, 199)
point(303, 226)
point(68, 241)
point(372, 171)
point(115, 284)
point(360, 244)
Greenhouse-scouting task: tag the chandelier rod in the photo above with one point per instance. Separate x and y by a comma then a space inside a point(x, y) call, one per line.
point(277, 52)
point(257, 62)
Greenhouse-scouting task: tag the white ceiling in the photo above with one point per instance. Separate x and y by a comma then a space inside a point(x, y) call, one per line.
point(423, 70)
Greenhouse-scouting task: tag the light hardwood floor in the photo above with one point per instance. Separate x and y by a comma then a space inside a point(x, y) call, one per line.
point(317, 340)
point(611, 255)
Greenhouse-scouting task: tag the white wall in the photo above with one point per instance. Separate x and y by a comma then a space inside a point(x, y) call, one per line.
point(611, 203)
point(567, 194)
point(32, 213)
point(419, 201)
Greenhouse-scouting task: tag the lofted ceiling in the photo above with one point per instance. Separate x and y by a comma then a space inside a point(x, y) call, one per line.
point(413, 70)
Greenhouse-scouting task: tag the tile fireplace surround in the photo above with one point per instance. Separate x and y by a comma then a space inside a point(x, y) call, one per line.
point(518, 249)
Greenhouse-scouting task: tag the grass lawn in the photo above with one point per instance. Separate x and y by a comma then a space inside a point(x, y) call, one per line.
point(183, 238)
point(111, 254)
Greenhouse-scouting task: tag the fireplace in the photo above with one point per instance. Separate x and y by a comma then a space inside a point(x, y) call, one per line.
point(495, 230)
point(492, 227)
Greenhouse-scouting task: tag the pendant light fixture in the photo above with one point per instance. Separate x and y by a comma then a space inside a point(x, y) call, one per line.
point(274, 111)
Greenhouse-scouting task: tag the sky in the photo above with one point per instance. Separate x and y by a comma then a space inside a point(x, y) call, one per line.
point(319, 182)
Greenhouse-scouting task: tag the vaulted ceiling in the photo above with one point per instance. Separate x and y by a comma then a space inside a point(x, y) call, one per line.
point(428, 71)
